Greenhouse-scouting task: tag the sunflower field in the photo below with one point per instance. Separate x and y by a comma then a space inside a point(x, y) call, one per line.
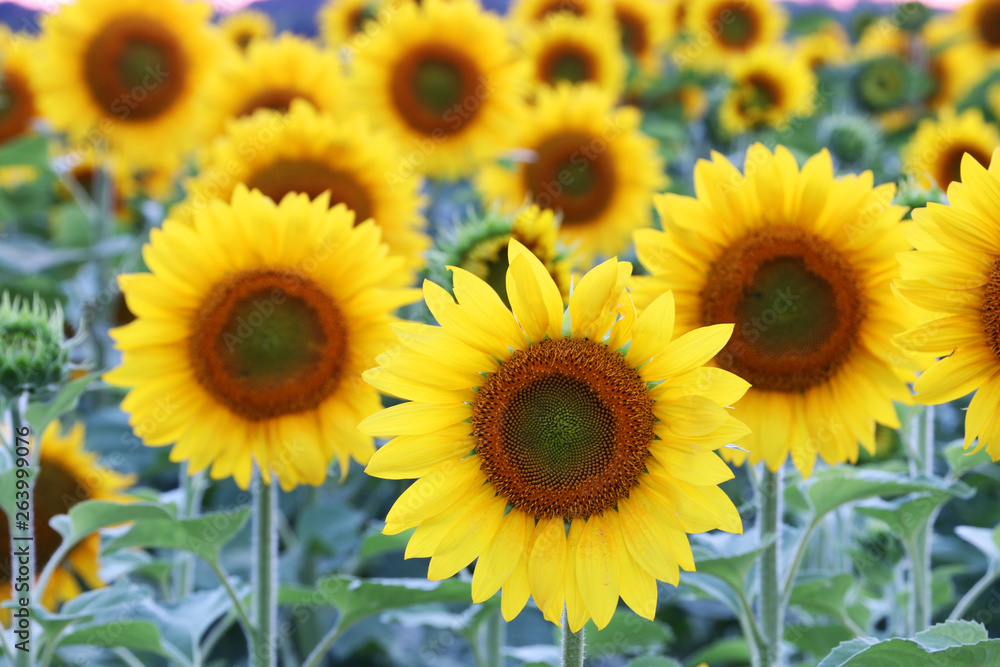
point(475, 333)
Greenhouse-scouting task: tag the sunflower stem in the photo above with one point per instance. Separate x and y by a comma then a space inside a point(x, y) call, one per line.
point(494, 640)
point(263, 647)
point(772, 608)
point(920, 548)
point(572, 645)
point(192, 489)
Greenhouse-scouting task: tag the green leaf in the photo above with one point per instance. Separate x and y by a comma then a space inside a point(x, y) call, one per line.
point(40, 415)
point(818, 640)
point(823, 595)
point(626, 633)
point(905, 516)
point(961, 460)
point(952, 643)
point(133, 635)
point(733, 650)
point(828, 489)
point(89, 516)
point(31, 151)
point(983, 539)
point(654, 661)
point(727, 557)
point(374, 543)
point(204, 536)
point(952, 633)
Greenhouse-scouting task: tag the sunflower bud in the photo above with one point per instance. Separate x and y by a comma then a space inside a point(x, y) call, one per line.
point(913, 195)
point(886, 83)
point(852, 139)
point(33, 354)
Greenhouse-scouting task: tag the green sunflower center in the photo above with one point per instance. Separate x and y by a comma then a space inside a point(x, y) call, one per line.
point(268, 343)
point(313, 178)
point(135, 68)
point(738, 25)
point(435, 89)
point(573, 173)
point(991, 309)
point(797, 305)
point(950, 164)
point(567, 63)
point(882, 83)
point(563, 428)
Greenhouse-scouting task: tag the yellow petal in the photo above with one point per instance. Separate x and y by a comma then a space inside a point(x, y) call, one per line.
point(598, 571)
point(432, 494)
point(576, 610)
point(955, 376)
point(484, 305)
point(414, 419)
point(698, 468)
point(691, 415)
point(547, 561)
point(461, 325)
point(515, 590)
point(473, 528)
point(693, 349)
point(592, 296)
point(653, 330)
point(533, 295)
point(410, 456)
point(646, 541)
point(389, 383)
point(983, 410)
point(502, 555)
point(715, 384)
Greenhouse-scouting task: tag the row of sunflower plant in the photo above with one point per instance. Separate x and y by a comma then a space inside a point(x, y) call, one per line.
point(253, 284)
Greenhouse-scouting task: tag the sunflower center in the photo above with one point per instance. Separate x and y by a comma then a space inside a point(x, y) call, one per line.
point(435, 89)
point(135, 68)
point(313, 178)
point(950, 165)
point(567, 62)
point(563, 428)
point(275, 99)
point(989, 23)
point(359, 17)
point(991, 309)
point(797, 305)
point(882, 82)
point(759, 94)
point(634, 36)
point(268, 342)
point(559, 7)
point(243, 39)
point(16, 105)
point(738, 25)
point(572, 173)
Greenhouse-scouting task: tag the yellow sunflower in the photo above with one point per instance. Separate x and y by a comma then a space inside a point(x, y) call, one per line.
point(570, 459)
point(565, 48)
point(801, 262)
point(309, 152)
point(272, 74)
point(954, 277)
point(443, 79)
point(525, 13)
point(247, 26)
point(17, 99)
point(953, 73)
point(825, 47)
point(251, 334)
point(644, 32)
point(340, 20)
point(980, 20)
point(590, 162)
point(935, 153)
point(771, 86)
point(675, 17)
point(884, 37)
point(130, 73)
point(67, 475)
point(722, 30)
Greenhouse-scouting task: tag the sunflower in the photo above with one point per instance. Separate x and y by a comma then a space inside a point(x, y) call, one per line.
point(827, 46)
point(309, 152)
point(953, 72)
point(17, 100)
point(85, 168)
point(570, 452)
point(980, 20)
point(243, 27)
point(68, 474)
point(936, 152)
point(272, 74)
point(675, 17)
point(565, 48)
point(590, 162)
point(340, 20)
point(251, 334)
point(801, 263)
point(525, 13)
point(771, 86)
point(954, 277)
point(724, 29)
point(131, 73)
point(884, 37)
point(644, 32)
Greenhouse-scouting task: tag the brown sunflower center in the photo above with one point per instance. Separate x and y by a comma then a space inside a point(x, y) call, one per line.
point(243, 39)
point(313, 178)
point(567, 62)
point(563, 428)
point(275, 99)
point(634, 35)
point(269, 342)
point(737, 24)
point(435, 89)
point(797, 304)
point(56, 490)
point(135, 68)
point(991, 309)
point(573, 7)
point(989, 23)
point(949, 167)
point(17, 105)
point(572, 173)
point(758, 95)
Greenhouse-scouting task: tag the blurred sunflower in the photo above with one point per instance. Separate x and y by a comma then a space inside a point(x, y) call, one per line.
point(980, 20)
point(68, 474)
point(827, 46)
point(596, 436)
point(130, 72)
point(770, 87)
point(565, 48)
point(94, 175)
point(17, 99)
point(246, 26)
point(675, 17)
point(590, 162)
point(952, 72)
point(800, 261)
point(254, 326)
point(725, 29)
point(272, 74)
point(935, 153)
point(340, 20)
point(443, 79)
point(642, 25)
point(525, 13)
point(954, 279)
point(884, 37)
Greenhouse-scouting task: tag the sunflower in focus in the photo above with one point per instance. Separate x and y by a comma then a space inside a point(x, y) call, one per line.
point(643, 27)
point(17, 99)
point(255, 324)
point(272, 74)
point(589, 162)
point(525, 13)
point(340, 20)
point(246, 26)
point(828, 46)
point(568, 49)
point(311, 152)
point(443, 79)
point(745, 26)
point(132, 72)
point(801, 262)
point(770, 87)
point(954, 278)
point(936, 152)
point(571, 460)
point(980, 20)
point(68, 474)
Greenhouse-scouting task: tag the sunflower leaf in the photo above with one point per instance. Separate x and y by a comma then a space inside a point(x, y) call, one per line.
point(905, 515)
point(133, 635)
point(204, 536)
point(952, 643)
point(89, 516)
point(40, 415)
point(961, 460)
point(828, 489)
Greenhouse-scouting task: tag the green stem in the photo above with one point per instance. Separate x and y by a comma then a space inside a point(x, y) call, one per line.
point(238, 608)
point(992, 574)
point(495, 628)
point(920, 547)
point(800, 551)
point(772, 610)
point(332, 635)
point(192, 490)
point(263, 644)
point(572, 645)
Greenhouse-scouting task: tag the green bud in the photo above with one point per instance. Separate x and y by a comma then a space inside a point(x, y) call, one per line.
point(854, 140)
point(32, 352)
point(913, 195)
